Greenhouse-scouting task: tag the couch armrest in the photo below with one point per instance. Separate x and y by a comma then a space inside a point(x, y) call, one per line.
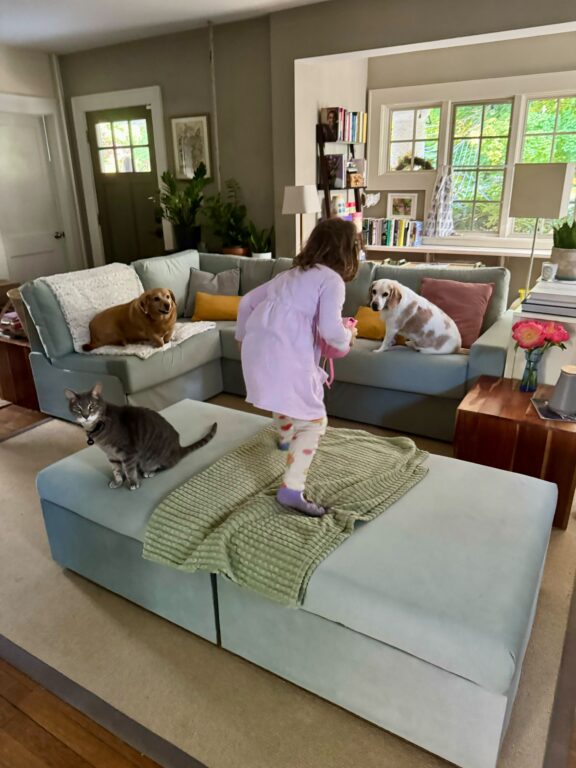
point(489, 351)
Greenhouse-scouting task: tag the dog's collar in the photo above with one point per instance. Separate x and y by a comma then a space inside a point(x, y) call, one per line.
point(95, 432)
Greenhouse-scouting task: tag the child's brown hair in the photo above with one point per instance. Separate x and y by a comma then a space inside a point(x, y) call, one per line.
point(334, 243)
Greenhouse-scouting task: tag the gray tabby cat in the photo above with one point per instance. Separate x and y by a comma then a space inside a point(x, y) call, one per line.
point(137, 441)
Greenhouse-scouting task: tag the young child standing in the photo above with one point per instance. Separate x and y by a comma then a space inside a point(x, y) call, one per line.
point(281, 325)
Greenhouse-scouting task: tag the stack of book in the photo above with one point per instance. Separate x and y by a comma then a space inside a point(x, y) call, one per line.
point(557, 297)
point(342, 125)
point(394, 232)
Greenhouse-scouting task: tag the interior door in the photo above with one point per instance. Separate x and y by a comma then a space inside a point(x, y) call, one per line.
point(123, 159)
point(32, 241)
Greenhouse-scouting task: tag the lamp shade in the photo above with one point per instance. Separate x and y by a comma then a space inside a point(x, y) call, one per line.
point(302, 199)
point(541, 190)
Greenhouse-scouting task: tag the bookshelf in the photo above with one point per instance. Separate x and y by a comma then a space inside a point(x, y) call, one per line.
point(325, 135)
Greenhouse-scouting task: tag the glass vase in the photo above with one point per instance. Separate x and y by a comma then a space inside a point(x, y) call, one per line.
point(529, 381)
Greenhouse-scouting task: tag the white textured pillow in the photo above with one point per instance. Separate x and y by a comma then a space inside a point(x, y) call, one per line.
point(84, 294)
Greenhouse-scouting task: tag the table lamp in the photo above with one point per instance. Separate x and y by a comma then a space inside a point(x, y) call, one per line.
point(299, 200)
point(540, 191)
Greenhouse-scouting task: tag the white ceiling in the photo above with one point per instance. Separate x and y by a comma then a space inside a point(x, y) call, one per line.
point(63, 26)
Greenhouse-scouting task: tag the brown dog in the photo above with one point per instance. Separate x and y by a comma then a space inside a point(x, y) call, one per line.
point(149, 318)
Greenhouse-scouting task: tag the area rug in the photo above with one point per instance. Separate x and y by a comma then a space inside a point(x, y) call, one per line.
point(222, 710)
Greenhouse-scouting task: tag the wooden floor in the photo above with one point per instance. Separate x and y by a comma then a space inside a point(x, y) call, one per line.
point(15, 419)
point(38, 730)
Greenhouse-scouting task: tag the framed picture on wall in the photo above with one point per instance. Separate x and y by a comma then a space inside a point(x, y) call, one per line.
point(401, 205)
point(191, 145)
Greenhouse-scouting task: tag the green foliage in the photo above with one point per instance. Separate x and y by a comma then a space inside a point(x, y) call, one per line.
point(260, 240)
point(180, 201)
point(565, 235)
point(227, 216)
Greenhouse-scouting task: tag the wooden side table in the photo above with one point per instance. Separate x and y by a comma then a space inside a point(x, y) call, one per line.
point(16, 380)
point(497, 425)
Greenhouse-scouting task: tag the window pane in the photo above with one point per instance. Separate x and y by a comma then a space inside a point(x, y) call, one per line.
point(121, 136)
point(466, 152)
point(103, 134)
point(141, 159)
point(541, 116)
point(537, 149)
point(464, 185)
point(490, 185)
point(139, 132)
point(524, 226)
point(402, 124)
point(428, 123)
point(426, 150)
point(462, 215)
point(565, 149)
point(107, 164)
point(468, 120)
point(497, 119)
point(486, 217)
point(567, 115)
point(493, 151)
point(124, 160)
point(400, 154)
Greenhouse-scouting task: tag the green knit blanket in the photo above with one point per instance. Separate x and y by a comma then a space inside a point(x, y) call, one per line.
point(226, 519)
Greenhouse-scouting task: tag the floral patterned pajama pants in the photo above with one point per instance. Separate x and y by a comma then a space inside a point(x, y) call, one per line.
point(300, 438)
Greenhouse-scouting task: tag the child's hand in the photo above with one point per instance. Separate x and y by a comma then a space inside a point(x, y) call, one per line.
point(354, 335)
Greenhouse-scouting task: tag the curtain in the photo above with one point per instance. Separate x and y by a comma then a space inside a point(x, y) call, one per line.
point(439, 222)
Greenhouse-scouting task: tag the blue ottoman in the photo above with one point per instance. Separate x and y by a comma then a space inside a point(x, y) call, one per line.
point(419, 622)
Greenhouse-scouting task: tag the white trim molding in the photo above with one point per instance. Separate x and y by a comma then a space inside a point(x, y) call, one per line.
point(116, 100)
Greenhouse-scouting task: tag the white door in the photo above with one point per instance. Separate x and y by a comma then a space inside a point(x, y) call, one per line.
point(32, 241)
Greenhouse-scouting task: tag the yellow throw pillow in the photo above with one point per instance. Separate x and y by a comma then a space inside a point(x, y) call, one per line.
point(209, 306)
point(370, 324)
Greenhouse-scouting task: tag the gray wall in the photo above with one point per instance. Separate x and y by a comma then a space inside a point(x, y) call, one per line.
point(255, 73)
point(180, 65)
point(339, 27)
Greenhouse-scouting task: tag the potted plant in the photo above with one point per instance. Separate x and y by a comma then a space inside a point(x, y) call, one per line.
point(260, 241)
point(180, 203)
point(227, 216)
point(564, 251)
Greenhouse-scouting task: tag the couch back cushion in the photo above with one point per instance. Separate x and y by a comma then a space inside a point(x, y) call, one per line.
point(171, 272)
point(226, 283)
point(44, 309)
point(412, 278)
point(253, 272)
point(357, 289)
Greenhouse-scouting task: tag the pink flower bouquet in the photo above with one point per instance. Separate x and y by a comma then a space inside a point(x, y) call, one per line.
point(535, 337)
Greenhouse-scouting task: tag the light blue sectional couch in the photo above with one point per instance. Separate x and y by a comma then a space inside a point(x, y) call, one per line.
point(399, 389)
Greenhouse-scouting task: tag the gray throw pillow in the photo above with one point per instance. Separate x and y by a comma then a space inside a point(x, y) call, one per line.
point(225, 283)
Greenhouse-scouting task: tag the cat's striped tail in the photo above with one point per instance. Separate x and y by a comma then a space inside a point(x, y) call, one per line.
point(185, 450)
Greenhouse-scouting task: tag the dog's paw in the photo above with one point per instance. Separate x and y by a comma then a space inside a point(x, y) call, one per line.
point(115, 484)
point(381, 349)
point(134, 486)
point(148, 474)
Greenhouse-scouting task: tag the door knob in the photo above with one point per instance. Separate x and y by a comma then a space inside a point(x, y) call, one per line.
point(59, 235)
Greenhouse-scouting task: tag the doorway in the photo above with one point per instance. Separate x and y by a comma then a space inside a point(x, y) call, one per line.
point(125, 176)
point(32, 234)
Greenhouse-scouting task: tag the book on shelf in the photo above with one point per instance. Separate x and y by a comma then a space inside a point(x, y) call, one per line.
point(336, 169)
point(400, 233)
point(343, 125)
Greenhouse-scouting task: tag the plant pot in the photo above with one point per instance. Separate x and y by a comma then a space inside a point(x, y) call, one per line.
point(236, 250)
point(187, 237)
point(266, 255)
point(566, 260)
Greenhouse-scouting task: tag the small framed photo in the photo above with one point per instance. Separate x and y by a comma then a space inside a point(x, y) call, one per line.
point(191, 145)
point(401, 205)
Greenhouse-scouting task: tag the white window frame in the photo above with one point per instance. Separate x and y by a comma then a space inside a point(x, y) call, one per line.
point(413, 140)
point(518, 89)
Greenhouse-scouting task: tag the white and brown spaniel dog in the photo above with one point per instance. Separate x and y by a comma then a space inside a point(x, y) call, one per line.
point(425, 326)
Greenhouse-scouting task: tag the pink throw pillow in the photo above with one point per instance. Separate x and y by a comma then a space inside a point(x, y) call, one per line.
point(465, 303)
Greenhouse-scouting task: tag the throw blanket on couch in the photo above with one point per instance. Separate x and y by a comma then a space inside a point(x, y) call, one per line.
point(85, 293)
point(226, 519)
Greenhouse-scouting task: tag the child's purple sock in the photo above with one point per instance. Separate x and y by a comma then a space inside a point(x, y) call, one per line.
point(283, 446)
point(289, 497)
